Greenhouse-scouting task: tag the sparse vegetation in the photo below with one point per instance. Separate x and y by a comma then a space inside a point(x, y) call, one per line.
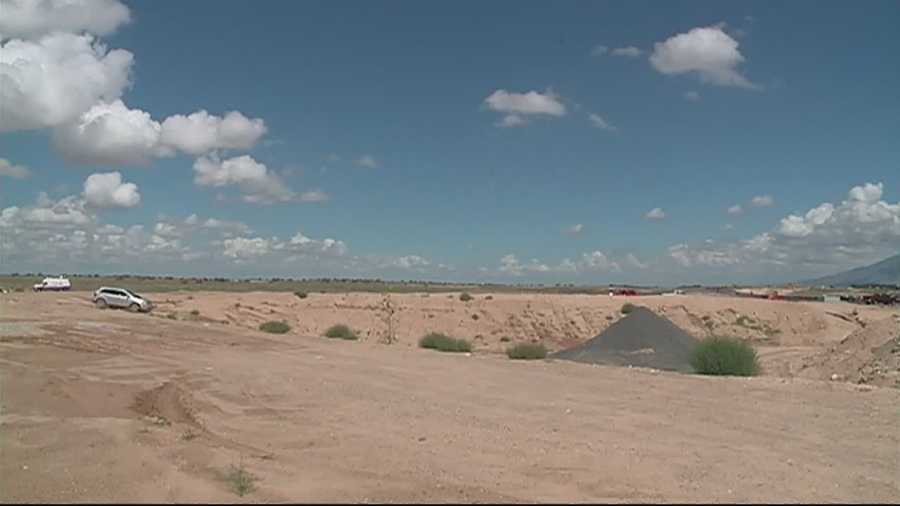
point(443, 342)
point(274, 327)
point(489, 297)
point(301, 295)
point(241, 481)
point(505, 339)
point(527, 351)
point(171, 316)
point(465, 297)
point(195, 312)
point(759, 326)
point(627, 308)
point(341, 331)
point(189, 435)
point(724, 356)
point(475, 316)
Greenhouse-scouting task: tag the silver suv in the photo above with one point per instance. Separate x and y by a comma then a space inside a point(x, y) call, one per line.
point(105, 297)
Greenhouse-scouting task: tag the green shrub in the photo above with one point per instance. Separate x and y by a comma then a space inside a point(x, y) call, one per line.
point(302, 295)
point(465, 297)
point(505, 339)
point(240, 480)
point(341, 331)
point(195, 312)
point(723, 356)
point(274, 327)
point(527, 351)
point(442, 342)
point(489, 297)
point(627, 308)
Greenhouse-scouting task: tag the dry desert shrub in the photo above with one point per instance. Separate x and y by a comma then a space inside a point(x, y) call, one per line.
point(443, 342)
point(274, 327)
point(723, 356)
point(341, 331)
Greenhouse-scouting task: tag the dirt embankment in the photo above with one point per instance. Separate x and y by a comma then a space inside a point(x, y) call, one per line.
point(560, 321)
point(870, 355)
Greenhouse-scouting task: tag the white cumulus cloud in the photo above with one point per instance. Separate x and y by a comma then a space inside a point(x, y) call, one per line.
point(629, 51)
point(868, 193)
point(707, 51)
point(574, 229)
point(411, 262)
point(241, 248)
point(256, 182)
point(763, 201)
point(860, 229)
point(512, 120)
point(46, 213)
point(599, 261)
point(14, 171)
point(34, 18)
point(735, 209)
point(599, 122)
point(329, 247)
point(200, 132)
point(655, 214)
point(511, 265)
point(708, 256)
point(314, 196)
point(111, 134)
point(693, 96)
point(367, 162)
point(531, 102)
point(53, 80)
point(108, 190)
point(170, 230)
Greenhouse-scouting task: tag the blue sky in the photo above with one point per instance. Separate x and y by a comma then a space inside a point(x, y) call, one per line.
point(380, 128)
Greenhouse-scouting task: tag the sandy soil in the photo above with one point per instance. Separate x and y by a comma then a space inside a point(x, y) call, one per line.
point(108, 405)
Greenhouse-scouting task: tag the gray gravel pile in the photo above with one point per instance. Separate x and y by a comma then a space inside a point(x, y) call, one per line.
point(641, 339)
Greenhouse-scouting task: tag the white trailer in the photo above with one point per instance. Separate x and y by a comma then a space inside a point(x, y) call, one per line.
point(53, 284)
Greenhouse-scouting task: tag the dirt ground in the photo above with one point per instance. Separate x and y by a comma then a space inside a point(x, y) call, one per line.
point(112, 406)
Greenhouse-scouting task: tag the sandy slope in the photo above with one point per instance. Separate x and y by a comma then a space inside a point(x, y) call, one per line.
point(114, 406)
point(559, 320)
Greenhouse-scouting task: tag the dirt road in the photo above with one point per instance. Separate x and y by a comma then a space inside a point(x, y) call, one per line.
point(112, 406)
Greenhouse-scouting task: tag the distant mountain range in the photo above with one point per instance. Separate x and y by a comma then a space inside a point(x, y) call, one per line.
point(885, 272)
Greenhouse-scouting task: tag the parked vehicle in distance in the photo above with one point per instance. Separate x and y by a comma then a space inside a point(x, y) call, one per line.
point(53, 284)
point(107, 296)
